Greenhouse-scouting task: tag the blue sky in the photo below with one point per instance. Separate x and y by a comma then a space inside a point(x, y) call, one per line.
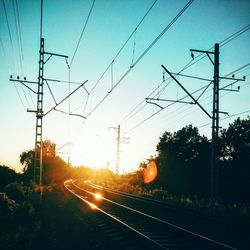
point(203, 24)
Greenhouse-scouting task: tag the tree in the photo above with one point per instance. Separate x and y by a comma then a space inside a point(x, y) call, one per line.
point(183, 161)
point(17, 191)
point(27, 160)
point(235, 160)
point(7, 176)
point(55, 170)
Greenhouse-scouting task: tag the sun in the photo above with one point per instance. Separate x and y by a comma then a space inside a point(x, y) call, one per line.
point(91, 156)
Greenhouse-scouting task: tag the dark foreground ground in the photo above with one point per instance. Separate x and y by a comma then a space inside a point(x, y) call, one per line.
point(62, 222)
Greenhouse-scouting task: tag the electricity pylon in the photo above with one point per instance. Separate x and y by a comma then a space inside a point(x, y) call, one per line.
point(214, 178)
point(119, 140)
point(38, 154)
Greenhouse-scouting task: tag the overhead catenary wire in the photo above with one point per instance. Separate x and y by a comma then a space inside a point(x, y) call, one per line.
point(83, 30)
point(155, 113)
point(17, 26)
point(9, 33)
point(143, 54)
point(134, 111)
point(21, 48)
point(204, 87)
point(230, 38)
point(225, 118)
point(12, 47)
point(17, 91)
point(205, 105)
point(235, 35)
point(17, 35)
point(123, 46)
point(199, 57)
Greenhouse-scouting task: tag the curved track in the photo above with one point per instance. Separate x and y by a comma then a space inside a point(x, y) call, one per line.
point(150, 230)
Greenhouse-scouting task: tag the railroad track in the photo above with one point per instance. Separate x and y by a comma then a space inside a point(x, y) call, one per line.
point(141, 230)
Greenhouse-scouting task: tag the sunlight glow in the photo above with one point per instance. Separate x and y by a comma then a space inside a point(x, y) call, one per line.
point(98, 196)
point(93, 206)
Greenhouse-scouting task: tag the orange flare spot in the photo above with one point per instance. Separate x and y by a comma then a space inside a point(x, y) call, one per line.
point(98, 196)
point(150, 172)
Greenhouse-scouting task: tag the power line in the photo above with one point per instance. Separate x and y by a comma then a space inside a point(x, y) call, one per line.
point(143, 54)
point(208, 104)
point(229, 116)
point(188, 65)
point(19, 27)
point(19, 49)
point(133, 112)
point(184, 115)
point(123, 46)
point(235, 35)
point(222, 43)
point(19, 96)
point(83, 30)
point(163, 32)
point(241, 113)
point(4, 56)
point(12, 46)
point(17, 35)
point(155, 113)
point(8, 26)
point(204, 87)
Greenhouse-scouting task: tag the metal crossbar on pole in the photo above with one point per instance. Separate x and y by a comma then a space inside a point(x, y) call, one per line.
point(214, 178)
point(38, 152)
point(214, 163)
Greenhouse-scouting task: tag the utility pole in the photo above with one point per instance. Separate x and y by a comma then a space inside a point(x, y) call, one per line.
point(214, 178)
point(215, 128)
point(118, 150)
point(118, 138)
point(38, 154)
point(214, 173)
point(38, 159)
point(118, 142)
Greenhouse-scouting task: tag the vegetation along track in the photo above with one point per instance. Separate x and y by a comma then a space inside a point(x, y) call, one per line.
point(143, 230)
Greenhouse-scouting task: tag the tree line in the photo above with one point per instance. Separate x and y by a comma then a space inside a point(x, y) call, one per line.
point(183, 160)
point(183, 163)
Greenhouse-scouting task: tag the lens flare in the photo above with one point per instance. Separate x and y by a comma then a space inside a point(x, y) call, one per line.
point(150, 172)
point(93, 206)
point(98, 196)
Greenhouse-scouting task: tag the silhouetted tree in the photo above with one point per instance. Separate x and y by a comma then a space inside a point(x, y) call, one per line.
point(17, 191)
point(183, 161)
point(7, 176)
point(55, 170)
point(235, 160)
point(27, 160)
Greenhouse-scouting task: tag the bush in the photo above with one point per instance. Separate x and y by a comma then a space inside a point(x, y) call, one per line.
point(7, 205)
point(17, 191)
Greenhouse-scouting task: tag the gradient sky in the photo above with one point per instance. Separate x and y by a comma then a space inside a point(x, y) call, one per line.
point(110, 24)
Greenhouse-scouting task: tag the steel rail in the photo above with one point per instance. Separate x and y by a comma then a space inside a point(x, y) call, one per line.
point(92, 205)
point(149, 216)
